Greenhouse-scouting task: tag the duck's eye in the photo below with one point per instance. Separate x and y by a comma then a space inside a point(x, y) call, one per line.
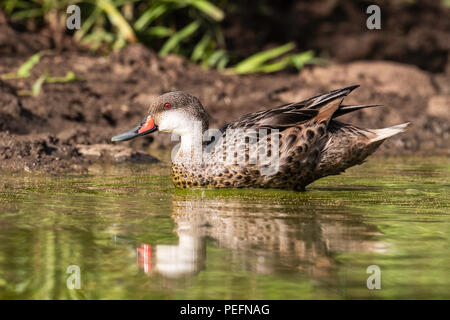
point(167, 106)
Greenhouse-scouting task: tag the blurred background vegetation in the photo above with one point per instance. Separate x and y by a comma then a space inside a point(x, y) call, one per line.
point(190, 28)
point(250, 35)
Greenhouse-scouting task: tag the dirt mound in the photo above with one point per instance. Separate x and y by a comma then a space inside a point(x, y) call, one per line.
point(44, 152)
point(13, 116)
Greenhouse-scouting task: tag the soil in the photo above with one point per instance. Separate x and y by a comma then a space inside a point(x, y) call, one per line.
point(69, 125)
point(412, 32)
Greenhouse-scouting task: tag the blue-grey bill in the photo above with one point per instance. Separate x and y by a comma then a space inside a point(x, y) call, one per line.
point(133, 133)
point(125, 136)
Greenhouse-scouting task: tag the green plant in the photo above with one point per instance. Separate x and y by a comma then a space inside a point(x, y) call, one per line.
point(275, 59)
point(190, 28)
point(45, 77)
point(168, 26)
point(24, 70)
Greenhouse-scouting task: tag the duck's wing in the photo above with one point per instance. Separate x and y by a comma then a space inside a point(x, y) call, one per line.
point(295, 113)
point(274, 118)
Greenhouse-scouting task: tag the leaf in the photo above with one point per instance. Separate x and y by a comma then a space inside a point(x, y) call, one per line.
point(24, 69)
point(116, 18)
point(37, 85)
point(87, 24)
point(160, 32)
point(275, 66)
point(215, 57)
point(95, 39)
point(28, 13)
point(174, 40)
point(209, 9)
point(299, 60)
point(150, 15)
point(69, 77)
point(45, 77)
point(222, 63)
point(200, 48)
point(119, 43)
point(254, 62)
point(10, 5)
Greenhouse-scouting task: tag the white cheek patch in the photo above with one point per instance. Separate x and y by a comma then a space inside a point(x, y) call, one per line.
point(170, 121)
point(176, 122)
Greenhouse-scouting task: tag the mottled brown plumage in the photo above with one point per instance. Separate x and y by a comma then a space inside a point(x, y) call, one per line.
point(298, 143)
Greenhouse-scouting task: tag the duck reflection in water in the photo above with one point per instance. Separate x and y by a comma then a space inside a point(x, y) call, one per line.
point(276, 237)
point(173, 261)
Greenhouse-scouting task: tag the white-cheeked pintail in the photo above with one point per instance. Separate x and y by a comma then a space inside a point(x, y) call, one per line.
point(287, 147)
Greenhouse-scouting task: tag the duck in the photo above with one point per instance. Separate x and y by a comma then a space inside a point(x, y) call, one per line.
point(286, 147)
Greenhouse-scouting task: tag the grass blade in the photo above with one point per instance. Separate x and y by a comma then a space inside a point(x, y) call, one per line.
point(28, 13)
point(222, 63)
point(275, 66)
point(37, 85)
point(69, 77)
point(200, 47)
point(150, 15)
point(254, 62)
point(209, 9)
point(95, 39)
point(159, 32)
point(299, 60)
point(10, 5)
point(117, 19)
point(87, 24)
point(174, 40)
point(24, 69)
point(215, 57)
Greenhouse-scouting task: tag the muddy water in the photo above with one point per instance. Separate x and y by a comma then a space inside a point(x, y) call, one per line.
point(133, 236)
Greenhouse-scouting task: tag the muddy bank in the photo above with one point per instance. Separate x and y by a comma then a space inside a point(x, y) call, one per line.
point(69, 125)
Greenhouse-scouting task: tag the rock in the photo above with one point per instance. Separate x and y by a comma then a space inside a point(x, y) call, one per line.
point(116, 152)
point(439, 106)
point(175, 60)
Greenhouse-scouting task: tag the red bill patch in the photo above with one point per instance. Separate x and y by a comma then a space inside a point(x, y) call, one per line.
point(144, 255)
point(148, 125)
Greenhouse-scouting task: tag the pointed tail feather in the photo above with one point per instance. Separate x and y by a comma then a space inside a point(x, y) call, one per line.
point(382, 134)
point(323, 99)
point(344, 109)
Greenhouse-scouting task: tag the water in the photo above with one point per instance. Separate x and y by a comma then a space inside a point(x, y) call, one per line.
point(135, 237)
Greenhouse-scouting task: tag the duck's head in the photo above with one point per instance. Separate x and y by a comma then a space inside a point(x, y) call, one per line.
point(173, 112)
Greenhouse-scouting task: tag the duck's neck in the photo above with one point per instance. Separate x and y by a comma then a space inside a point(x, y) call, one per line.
point(191, 146)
